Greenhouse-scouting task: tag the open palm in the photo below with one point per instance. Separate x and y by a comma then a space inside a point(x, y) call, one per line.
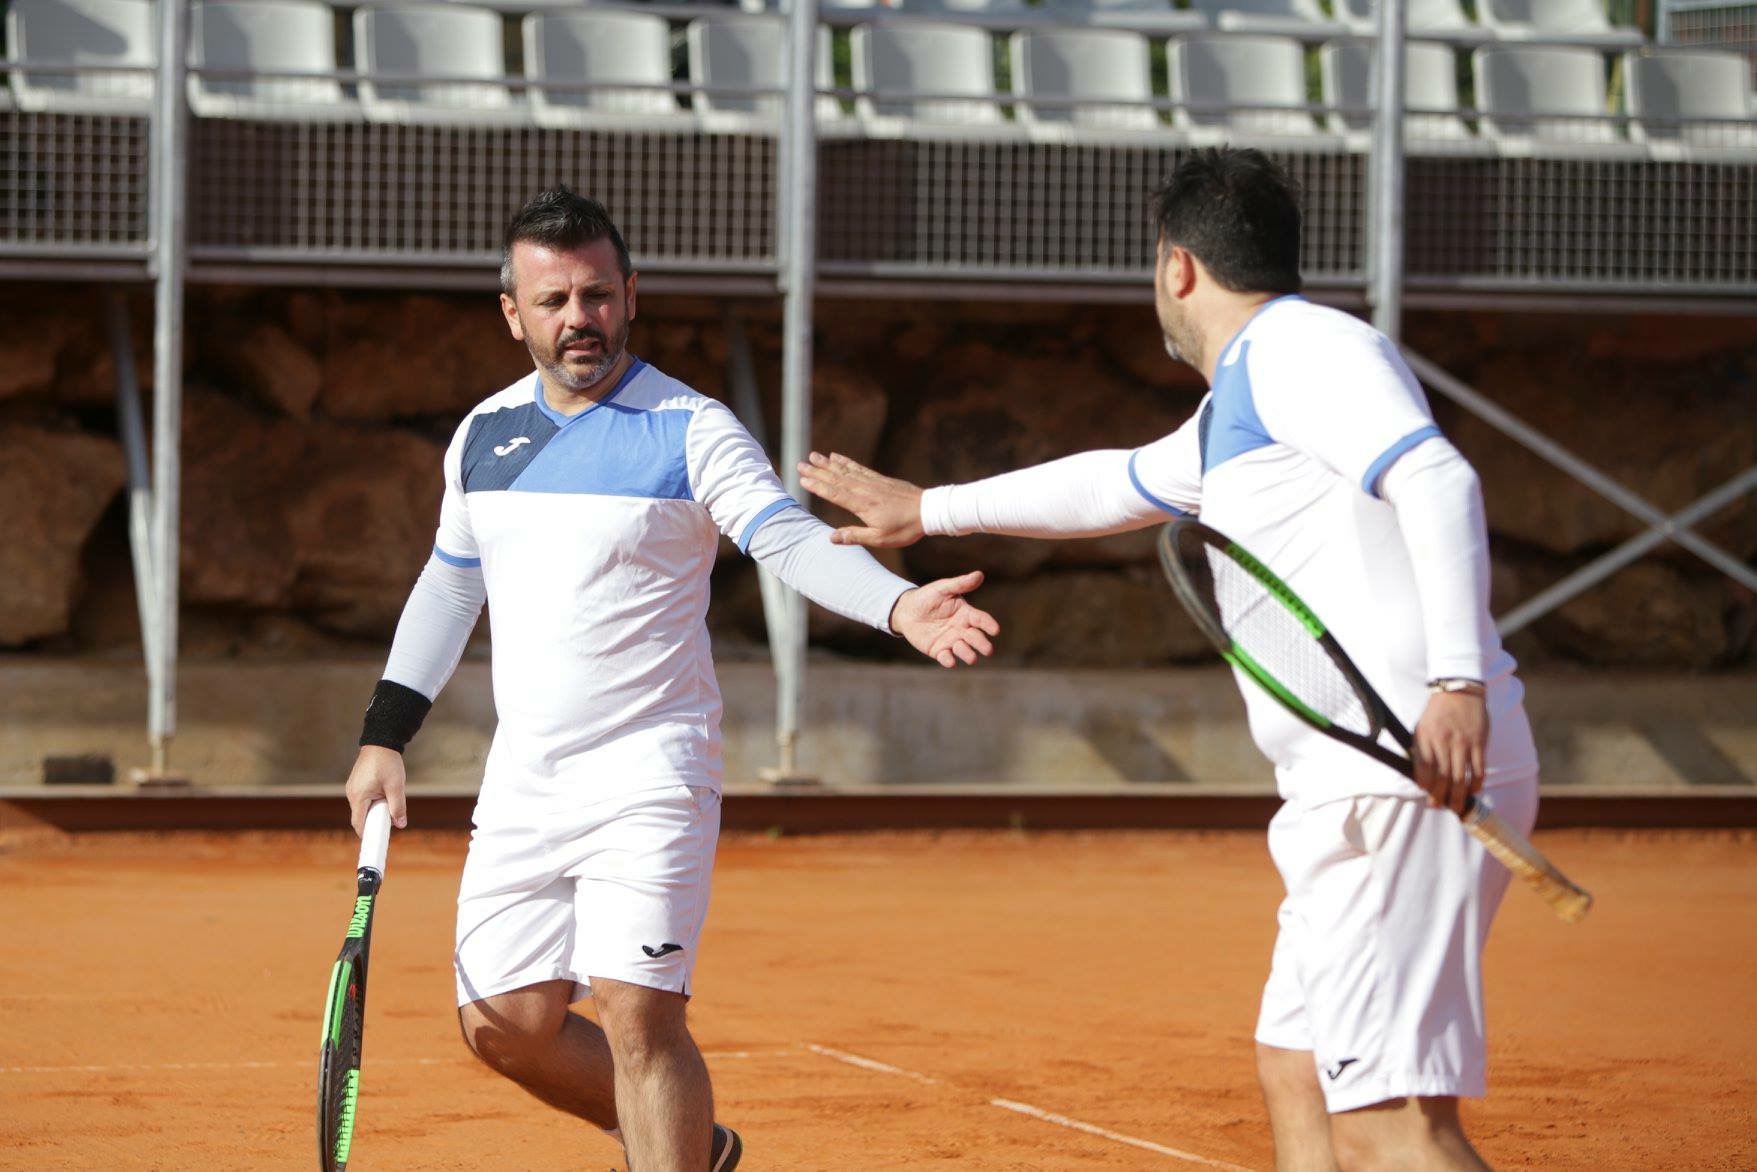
point(941, 624)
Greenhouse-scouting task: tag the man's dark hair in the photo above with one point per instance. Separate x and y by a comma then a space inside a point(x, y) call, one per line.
point(557, 217)
point(1237, 213)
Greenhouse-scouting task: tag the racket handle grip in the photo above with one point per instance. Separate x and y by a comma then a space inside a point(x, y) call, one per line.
point(1514, 850)
point(375, 838)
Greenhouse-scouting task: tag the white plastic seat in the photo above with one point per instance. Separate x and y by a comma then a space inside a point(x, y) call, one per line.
point(1545, 99)
point(96, 33)
point(456, 41)
point(1431, 123)
point(927, 57)
point(600, 45)
point(1084, 63)
point(267, 36)
point(1147, 16)
point(1000, 10)
point(1437, 20)
point(745, 49)
point(1285, 18)
point(1236, 86)
point(1580, 22)
point(1668, 89)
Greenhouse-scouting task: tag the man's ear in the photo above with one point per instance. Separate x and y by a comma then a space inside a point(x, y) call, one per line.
point(628, 295)
point(510, 308)
point(1183, 265)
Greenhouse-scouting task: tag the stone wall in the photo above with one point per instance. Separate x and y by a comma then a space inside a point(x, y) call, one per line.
point(315, 421)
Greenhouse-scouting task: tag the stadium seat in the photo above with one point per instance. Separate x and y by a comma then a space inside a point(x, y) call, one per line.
point(589, 45)
point(1148, 16)
point(266, 35)
point(1668, 89)
point(98, 33)
point(1007, 10)
point(1287, 18)
point(1516, 86)
point(457, 41)
point(742, 49)
point(1237, 86)
point(1430, 86)
point(927, 57)
point(1436, 20)
point(1084, 63)
point(1581, 22)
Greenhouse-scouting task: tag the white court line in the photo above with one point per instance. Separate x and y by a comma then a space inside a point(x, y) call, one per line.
point(113, 1067)
point(870, 1064)
point(1027, 1109)
point(1105, 1133)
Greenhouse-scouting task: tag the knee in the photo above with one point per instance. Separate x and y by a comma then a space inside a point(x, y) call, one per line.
point(510, 1035)
point(639, 1023)
point(1286, 1074)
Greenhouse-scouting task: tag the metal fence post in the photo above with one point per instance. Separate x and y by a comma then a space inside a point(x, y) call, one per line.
point(1387, 172)
point(798, 233)
point(170, 254)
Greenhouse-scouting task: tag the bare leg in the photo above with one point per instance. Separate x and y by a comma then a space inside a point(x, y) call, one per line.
point(663, 1099)
point(560, 1057)
point(1421, 1135)
point(1297, 1116)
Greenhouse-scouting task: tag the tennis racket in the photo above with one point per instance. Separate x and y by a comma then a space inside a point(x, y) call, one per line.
point(1260, 626)
point(344, 1010)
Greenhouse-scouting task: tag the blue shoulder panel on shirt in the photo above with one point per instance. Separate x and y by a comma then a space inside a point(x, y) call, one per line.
point(613, 450)
point(1230, 426)
point(501, 444)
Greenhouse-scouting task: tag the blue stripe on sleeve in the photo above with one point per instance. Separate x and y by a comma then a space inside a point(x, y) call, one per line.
point(1142, 489)
point(1369, 483)
point(756, 522)
point(454, 560)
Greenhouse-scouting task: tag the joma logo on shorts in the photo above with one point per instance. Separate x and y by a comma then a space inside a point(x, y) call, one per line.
point(662, 950)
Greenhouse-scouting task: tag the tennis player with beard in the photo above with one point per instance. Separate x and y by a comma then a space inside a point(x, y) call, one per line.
point(1314, 449)
point(584, 504)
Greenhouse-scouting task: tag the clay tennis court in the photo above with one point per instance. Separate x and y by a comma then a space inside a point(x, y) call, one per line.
point(882, 1001)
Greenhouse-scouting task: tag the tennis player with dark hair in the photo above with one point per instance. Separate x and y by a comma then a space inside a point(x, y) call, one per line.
point(1315, 449)
point(584, 505)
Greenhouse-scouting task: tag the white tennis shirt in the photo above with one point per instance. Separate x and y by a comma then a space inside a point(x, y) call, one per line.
point(592, 536)
point(1311, 419)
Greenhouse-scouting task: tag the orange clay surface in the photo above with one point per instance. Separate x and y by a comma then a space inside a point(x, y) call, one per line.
point(863, 1002)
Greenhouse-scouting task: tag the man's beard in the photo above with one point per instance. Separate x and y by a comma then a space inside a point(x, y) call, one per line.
point(1182, 347)
point(574, 377)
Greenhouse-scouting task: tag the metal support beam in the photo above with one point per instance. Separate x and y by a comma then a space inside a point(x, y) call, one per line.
point(748, 404)
point(1662, 526)
point(170, 254)
point(1387, 172)
point(132, 430)
point(798, 236)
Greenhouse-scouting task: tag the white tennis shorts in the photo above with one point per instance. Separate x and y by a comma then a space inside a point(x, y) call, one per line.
point(616, 889)
point(1377, 968)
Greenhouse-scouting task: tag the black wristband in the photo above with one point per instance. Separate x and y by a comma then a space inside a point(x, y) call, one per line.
point(394, 715)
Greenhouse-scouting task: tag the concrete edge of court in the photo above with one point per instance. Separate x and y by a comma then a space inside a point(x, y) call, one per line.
point(1036, 731)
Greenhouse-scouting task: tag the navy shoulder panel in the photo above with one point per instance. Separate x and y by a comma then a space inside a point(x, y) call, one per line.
point(501, 444)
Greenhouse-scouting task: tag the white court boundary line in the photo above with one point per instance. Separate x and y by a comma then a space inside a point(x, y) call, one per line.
point(1019, 1108)
point(122, 1067)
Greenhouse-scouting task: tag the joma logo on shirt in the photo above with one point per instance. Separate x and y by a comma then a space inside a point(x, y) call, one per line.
point(511, 445)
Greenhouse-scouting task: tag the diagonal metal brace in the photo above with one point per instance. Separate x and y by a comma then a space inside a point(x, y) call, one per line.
point(1662, 526)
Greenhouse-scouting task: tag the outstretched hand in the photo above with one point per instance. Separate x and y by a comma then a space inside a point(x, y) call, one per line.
point(940, 624)
point(889, 509)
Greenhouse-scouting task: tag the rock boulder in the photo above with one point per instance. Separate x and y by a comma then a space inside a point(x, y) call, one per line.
point(54, 485)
